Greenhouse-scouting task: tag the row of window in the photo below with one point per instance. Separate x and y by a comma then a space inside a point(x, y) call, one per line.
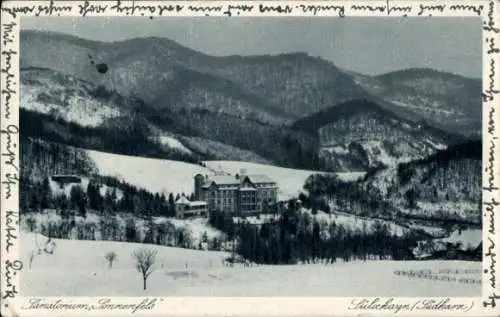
point(243, 200)
point(193, 209)
point(233, 194)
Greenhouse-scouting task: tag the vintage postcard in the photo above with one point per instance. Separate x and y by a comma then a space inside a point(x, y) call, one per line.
point(179, 158)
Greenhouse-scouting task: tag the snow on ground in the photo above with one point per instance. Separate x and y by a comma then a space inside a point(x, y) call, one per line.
point(290, 181)
point(257, 220)
point(173, 143)
point(469, 238)
point(337, 149)
point(195, 226)
point(377, 153)
point(430, 109)
point(154, 175)
point(353, 222)
point(78, 268)
point(104, 189)
point(59, 188)
point(462, 239)
point(462, 209)
point(69, 106)
point(168, 176)
point(384, 179)
point(433, 231)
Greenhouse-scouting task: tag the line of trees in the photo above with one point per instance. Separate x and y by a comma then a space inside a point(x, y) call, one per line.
point(122, 229)
point(118, 197)
point(298, 237)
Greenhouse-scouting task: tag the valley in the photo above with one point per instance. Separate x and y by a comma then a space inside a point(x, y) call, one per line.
point(377, 172)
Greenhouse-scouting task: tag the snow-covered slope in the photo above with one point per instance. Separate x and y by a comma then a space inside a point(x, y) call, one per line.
point(445, 186)
point(353, 222)
point(154, 175)
point(158, 175)
point(290, 181)
point(444, 99)
point(78, 268)
point(65, 97)
point(360, 134)
point(172, 142)
point(380, 153)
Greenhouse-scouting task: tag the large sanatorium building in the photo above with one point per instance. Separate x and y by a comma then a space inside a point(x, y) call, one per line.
point(240, 194)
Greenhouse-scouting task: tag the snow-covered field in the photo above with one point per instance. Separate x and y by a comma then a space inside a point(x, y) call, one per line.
point(154, 175)
point(158, 175)
point(78, 268)
point(290, 181)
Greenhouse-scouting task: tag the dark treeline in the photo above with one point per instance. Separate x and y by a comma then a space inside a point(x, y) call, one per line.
point(41, 158)
point(350, 196)
point(125, 214)
point(280, 144)
point(101, 195)
point(129, 138)
point(297, 237)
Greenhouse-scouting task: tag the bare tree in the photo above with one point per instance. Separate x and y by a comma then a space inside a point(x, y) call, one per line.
point(48, 248)
point(145, 260)
point(110, 257)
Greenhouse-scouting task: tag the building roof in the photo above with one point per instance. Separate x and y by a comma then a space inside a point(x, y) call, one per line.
point(225, 180)
point(259, 178)
point(232, 180)
point(197, 203)
point(182, 201)
point(66, 178)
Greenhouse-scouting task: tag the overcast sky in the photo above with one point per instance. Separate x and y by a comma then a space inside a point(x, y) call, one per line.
point(365, 45)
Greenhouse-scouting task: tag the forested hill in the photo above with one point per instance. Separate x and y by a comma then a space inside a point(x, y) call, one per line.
point(440, 189)
point(244, 106)
point(61, 108)
point(361, 134)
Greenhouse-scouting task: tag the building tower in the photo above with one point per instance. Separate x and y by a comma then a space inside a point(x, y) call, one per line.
point(198, 183)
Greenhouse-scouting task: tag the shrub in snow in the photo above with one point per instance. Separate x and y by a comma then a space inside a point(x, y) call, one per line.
point(31, 223)
point(144, 263)
point(110, 257)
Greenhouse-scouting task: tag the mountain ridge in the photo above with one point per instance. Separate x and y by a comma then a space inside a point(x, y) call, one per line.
point(282, 99)
point(295, 82)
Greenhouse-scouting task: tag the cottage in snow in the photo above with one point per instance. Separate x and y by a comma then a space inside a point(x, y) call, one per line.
point(184, 208)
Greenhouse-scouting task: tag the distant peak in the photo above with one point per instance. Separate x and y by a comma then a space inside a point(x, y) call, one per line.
point(296, 54)
point(420, 71)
